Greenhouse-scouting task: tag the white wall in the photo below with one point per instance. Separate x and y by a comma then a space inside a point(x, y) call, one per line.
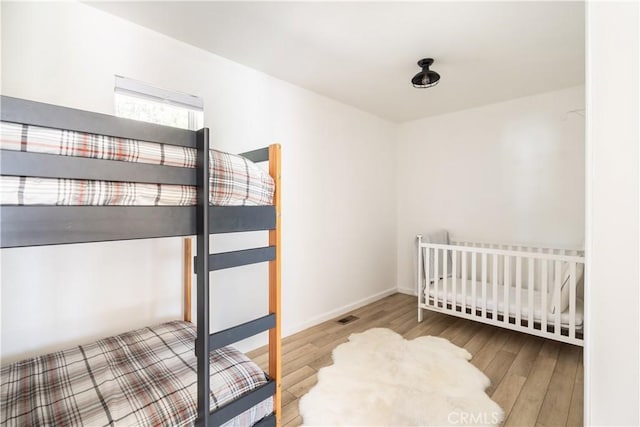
point(612, 353)
point(511, 172)
point(338, 187)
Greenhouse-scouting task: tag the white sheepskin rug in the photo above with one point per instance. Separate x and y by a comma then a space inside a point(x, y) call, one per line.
point(380, 379)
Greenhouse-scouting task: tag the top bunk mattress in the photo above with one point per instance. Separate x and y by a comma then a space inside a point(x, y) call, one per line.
point(143, 377)
point(234, 180)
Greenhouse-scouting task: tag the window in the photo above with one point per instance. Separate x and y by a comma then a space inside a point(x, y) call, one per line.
point(140, 101)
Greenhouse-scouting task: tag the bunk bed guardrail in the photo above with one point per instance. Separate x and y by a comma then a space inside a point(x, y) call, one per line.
point(50, 225)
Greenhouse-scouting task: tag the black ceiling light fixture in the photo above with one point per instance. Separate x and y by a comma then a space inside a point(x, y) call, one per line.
point(425, 78)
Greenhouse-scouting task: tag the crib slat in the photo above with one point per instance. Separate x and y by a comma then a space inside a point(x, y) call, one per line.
point(557, 287)
point(517, 248)
point(473, 282)
point(550, 268)
point(419, 277)
point(495, 288)
point(500, 271)
point(483, 272)
point(436, 276)
point(463, 276)
point(445, 280)
point(572, 300)
point(518, 290)
point(530, 288)
point(454, 279)
point(427, 274)
point(545, 303)
point(539, 273)
point(507, 284)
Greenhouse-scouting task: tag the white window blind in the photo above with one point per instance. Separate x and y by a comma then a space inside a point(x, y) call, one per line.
point(140, 101)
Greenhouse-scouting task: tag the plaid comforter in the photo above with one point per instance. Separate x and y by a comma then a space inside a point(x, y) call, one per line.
point(144, 377)
point(234, 180)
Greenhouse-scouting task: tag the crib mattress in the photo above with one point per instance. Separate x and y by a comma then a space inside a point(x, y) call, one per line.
point(143, 377)
point(501, 309)
point(234, 180)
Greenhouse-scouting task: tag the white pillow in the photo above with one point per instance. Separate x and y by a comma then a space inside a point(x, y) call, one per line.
point(439, 237)
point(564, 287)
point(432, 263)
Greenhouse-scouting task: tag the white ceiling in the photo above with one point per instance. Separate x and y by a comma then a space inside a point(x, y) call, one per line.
point(365, 53)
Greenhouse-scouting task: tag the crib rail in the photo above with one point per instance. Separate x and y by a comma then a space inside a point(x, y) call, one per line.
point(530, 289)
point(521, 247)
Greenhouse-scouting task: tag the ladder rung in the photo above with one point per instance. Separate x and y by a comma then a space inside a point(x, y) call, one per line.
point(268, 421)
point(224, 260)
point(238, 406)
point(242, 331)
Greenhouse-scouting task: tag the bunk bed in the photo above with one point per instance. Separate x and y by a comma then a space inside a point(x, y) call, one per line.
point(72, 176)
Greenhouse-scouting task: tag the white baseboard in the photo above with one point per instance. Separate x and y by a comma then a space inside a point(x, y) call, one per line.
point(338, 311)
point(407, 291)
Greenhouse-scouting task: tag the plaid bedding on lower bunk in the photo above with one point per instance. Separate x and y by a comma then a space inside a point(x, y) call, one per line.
point(143, 377)
point(234, 180)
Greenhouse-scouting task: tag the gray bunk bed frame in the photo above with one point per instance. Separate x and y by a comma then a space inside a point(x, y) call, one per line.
point(52, 225)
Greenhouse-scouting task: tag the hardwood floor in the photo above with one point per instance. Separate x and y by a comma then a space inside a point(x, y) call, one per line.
point(536, 381)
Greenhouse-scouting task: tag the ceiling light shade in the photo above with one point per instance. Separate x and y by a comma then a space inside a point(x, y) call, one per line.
point(425, 78)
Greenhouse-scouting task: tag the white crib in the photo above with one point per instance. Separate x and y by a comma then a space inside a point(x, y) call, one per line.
point(532, 289)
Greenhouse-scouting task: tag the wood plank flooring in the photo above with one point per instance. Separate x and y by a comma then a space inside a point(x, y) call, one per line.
point(536, 381)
